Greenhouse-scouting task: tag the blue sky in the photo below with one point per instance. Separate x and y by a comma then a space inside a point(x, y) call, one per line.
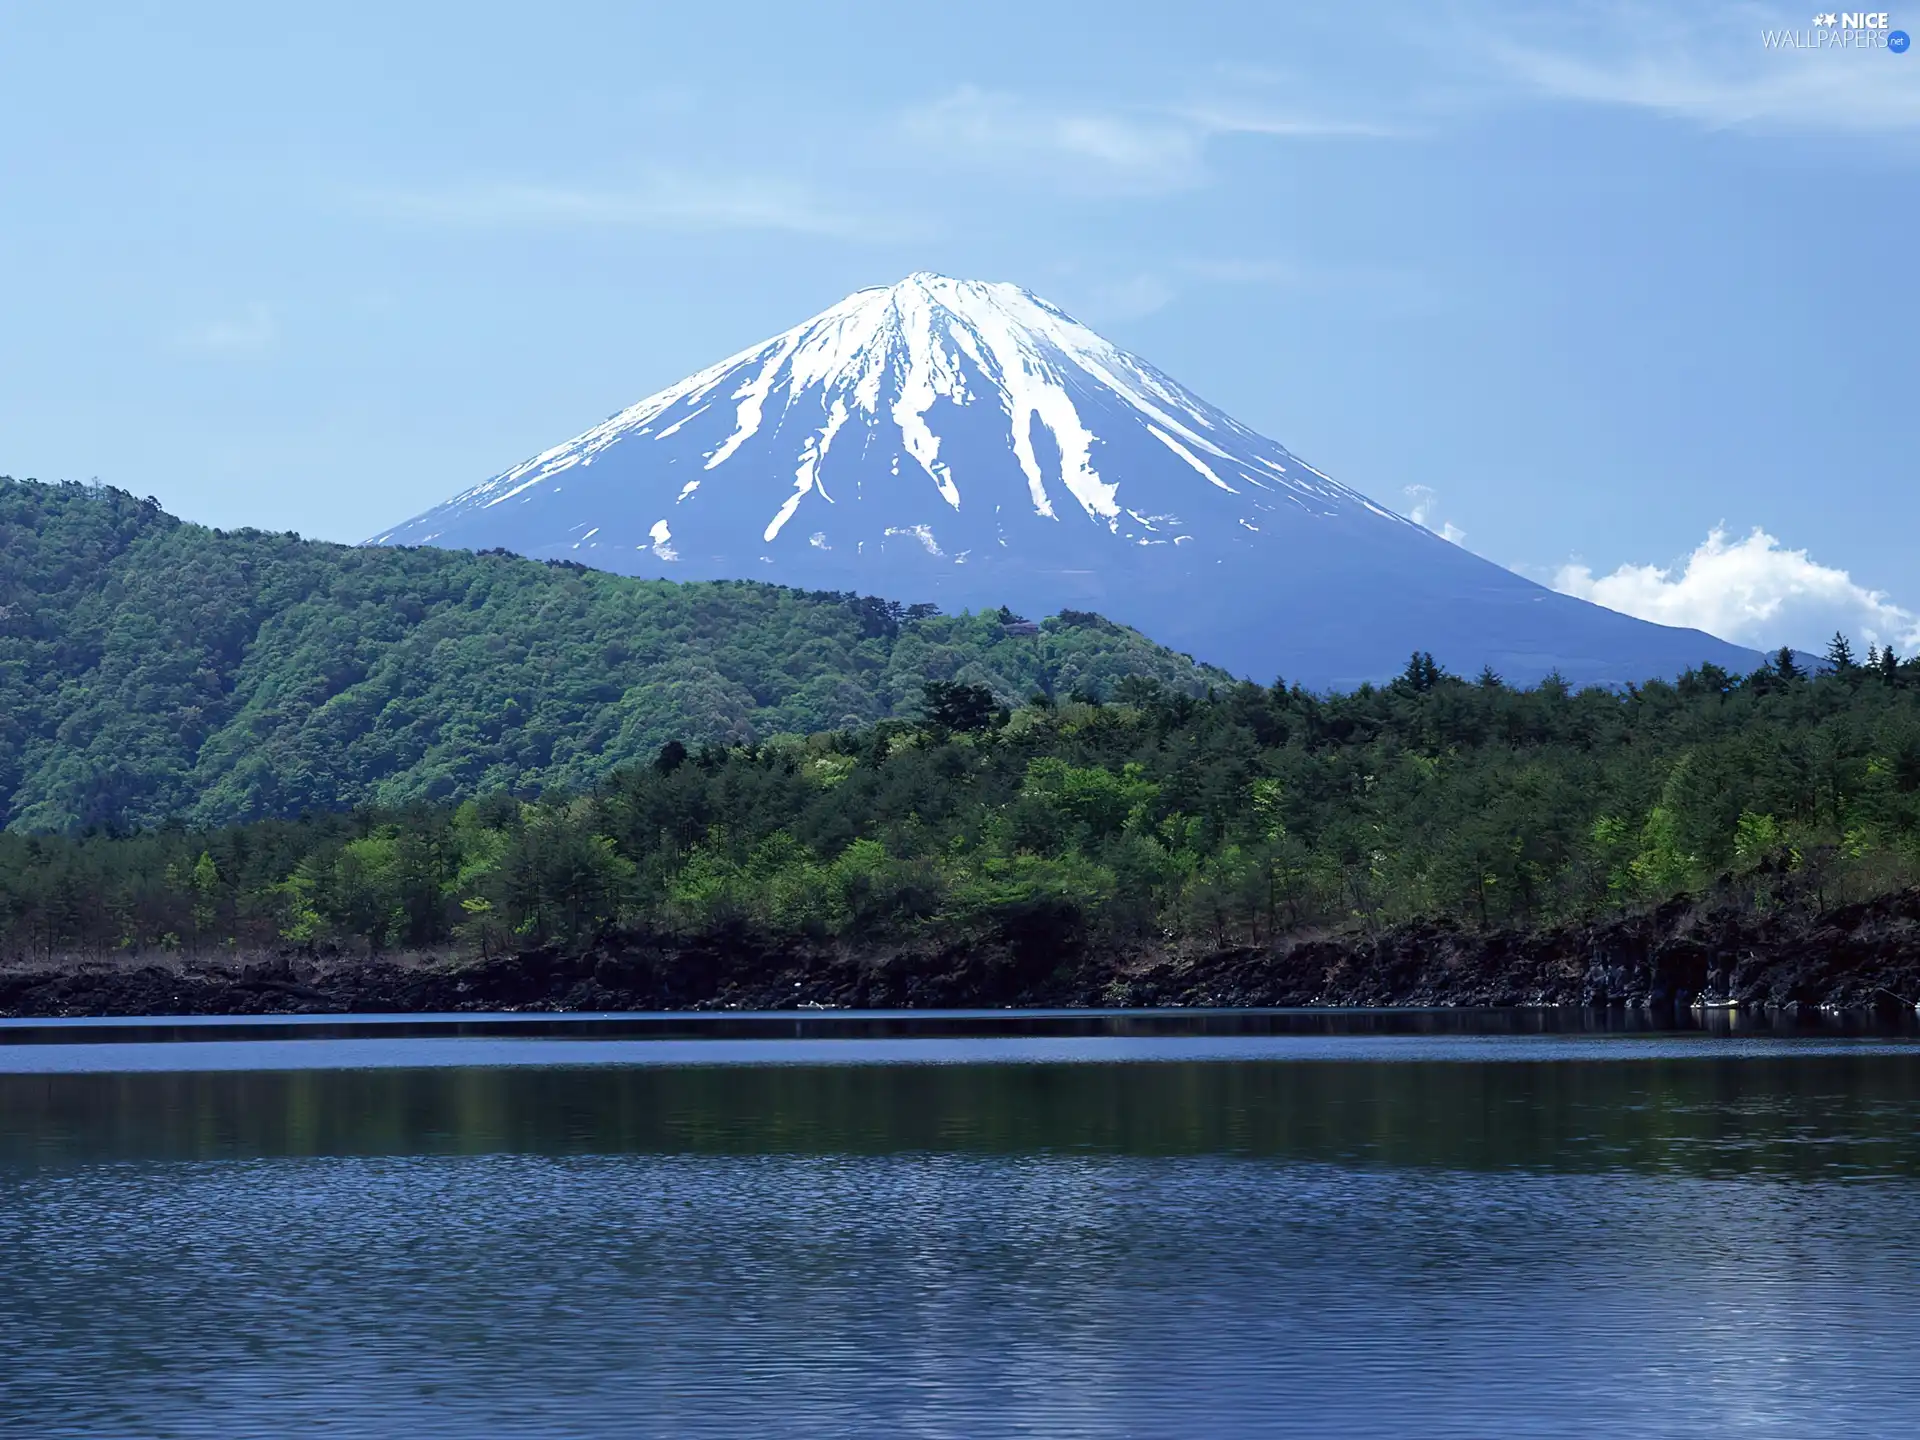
point(1588, 285)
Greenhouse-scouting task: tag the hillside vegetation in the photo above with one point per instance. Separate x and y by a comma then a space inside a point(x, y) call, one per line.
point(1155, 820)
point(154, 671)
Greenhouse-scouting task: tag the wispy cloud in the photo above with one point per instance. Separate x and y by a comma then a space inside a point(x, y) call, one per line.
point(660, 202)
point(1130, 299)
point(1087, 149)
point(1709, 65)
point(249, 333)
point(1149, 149)
point(1146, 292)
point(1753, 591)
point(1245, 271)
point(1230, 119)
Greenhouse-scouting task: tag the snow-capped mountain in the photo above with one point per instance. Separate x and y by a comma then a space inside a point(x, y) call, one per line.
point(970, 444)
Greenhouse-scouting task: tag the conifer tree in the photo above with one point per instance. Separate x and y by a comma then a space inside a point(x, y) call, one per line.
point(1840, 654)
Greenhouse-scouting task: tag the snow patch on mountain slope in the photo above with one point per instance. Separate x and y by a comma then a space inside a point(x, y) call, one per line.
point(899, 358)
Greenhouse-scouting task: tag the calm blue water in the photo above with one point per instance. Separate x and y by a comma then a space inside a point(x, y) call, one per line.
point(971, 1234)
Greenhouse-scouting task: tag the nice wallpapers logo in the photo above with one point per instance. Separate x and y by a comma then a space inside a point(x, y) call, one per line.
point(1842, 30)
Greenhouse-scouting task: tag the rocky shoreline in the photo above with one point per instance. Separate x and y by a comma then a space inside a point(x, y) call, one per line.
point(1861, 958)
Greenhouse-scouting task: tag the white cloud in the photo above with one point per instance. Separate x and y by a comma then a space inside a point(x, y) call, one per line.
point(1752, 591)
point(661, 202)
point(1426, 511)
point(246, 334)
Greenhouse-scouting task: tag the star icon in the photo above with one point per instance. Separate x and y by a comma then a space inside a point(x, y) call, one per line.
point(1829, 19)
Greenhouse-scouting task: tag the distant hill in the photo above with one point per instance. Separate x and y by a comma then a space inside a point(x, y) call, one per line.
point(153, 670)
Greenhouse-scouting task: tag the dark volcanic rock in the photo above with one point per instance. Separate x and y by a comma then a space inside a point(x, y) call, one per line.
point(1859, 957)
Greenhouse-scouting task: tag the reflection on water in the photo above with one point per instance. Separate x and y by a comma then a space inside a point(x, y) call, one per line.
point(764, 1025)
point(1681, 1244)
point(1819, 1115)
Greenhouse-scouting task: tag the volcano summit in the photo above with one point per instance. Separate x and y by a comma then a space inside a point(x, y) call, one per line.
point(971, 444)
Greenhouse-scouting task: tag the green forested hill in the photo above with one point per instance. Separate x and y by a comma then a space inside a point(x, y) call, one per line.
point(152, 669)
point(1154, 820)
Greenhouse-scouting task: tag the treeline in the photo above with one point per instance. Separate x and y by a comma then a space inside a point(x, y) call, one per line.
point(152, 669)
point(1148, 816)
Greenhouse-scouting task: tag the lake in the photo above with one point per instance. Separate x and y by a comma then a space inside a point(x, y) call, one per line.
point(1059, 1225)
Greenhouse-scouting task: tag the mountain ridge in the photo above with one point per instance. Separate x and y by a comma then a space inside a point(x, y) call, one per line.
point(972, 442)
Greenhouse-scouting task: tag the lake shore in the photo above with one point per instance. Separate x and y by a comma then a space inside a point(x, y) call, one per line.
point(1859, 957)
